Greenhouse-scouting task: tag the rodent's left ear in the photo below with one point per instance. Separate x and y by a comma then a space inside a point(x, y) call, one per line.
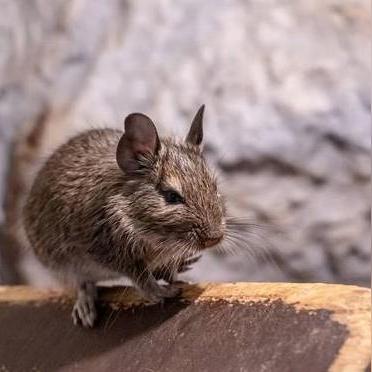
point(195, 135)
point(140, 139)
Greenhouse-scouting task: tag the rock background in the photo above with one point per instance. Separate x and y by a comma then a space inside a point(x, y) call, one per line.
point(287, 90)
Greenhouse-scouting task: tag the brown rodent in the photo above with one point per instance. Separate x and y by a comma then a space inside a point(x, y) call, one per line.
point(108, 204)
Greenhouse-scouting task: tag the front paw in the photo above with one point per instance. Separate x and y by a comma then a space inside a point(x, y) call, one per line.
point(186, 264)
point(160, 293)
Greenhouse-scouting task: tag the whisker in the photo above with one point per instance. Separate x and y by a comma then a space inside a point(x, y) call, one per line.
point(249, 238)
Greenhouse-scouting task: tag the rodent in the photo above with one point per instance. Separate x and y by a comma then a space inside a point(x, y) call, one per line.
point(108, 204)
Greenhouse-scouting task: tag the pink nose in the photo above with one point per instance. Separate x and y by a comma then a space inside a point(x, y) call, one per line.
point(211, 242)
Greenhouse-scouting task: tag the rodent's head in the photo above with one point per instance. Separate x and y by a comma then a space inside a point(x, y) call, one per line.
point(171, 195)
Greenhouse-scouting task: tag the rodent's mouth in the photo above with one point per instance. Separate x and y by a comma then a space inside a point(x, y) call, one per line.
point(211, 242)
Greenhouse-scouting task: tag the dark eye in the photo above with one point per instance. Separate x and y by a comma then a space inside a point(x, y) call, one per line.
point(172, 197)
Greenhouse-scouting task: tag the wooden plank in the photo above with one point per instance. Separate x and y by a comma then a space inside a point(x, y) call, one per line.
point(213, 327)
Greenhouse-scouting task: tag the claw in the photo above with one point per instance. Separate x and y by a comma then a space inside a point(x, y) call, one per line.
point(84, 310)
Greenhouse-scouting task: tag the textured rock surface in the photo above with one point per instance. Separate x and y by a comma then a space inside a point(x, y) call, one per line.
point(287, 89)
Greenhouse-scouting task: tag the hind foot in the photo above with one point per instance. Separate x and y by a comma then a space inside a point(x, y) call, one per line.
point(84, 310)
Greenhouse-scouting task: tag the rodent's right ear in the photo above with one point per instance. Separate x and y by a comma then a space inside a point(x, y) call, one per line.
point(195, 135)
point(140, 139)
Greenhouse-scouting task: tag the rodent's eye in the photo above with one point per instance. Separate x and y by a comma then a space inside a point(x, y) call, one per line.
point(172, 197)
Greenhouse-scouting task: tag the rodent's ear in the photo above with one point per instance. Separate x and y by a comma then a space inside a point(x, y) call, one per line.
point(195, 135)
point(140, 139)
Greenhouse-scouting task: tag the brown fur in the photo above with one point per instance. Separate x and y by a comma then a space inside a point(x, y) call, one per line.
point(89, 220)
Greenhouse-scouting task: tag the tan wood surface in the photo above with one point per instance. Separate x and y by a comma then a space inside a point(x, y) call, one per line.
point(348, 306)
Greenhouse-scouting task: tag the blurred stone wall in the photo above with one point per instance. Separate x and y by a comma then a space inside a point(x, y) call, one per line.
point(287, 90)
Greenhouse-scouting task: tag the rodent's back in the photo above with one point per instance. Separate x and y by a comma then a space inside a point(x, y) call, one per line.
point(68, 193)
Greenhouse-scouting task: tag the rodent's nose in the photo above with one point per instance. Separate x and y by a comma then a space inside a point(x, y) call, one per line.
point(213, 241)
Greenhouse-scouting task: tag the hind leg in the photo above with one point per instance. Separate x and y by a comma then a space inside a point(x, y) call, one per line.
point(84, 310)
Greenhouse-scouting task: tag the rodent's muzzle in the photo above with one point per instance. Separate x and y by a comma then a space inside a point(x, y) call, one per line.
point(212, 241)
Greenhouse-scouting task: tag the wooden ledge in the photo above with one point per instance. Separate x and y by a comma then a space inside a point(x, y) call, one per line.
point(213, 327)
